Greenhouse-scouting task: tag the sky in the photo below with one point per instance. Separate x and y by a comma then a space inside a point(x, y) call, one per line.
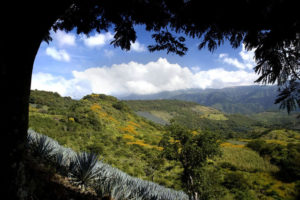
point(76, 65)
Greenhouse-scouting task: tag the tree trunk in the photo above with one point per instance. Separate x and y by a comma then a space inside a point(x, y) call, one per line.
point(16, 67)
point(23, 28)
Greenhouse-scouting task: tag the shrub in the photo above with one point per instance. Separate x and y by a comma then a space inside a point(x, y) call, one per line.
point(235, 180)
point(227, 165)
point(243, 195)
point(256, 145)
point(121, 106)
point(85, 170)
point(290, 164)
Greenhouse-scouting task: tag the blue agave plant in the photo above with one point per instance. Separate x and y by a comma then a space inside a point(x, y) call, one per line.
point(41, 146)
point(86, 170)
point(83, 168)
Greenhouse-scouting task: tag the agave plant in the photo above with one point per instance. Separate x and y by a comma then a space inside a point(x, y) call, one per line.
point(120, 192)
point(60, 161)
point(41, 146)
point(83, 169)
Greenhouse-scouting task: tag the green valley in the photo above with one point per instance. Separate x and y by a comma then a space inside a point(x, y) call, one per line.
point(259, 152)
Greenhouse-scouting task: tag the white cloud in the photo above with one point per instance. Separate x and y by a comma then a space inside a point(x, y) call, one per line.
point(109, 53)
point(60, 55)
point(219, 78)
point(137, 47)
point(64, 39)
point(247, 57)
point(222, 55)
point(140, 78)
point(233, 61)
point(48, 82)
point(98, 40)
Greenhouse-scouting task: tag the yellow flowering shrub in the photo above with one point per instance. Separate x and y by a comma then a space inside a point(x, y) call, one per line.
point(95, 107)
point(129, 129)
point(94, 95)
point(112, 119)
point(134, 124)
point(129, 137)
point(228, 144)
point(174, 141)
point(158, 148)
point(71, 119)
point(141, 143)
point(195, 133)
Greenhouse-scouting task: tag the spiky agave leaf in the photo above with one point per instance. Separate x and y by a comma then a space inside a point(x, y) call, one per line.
point(61, 161)
point(86, 170)
point(83, 168)
point(41, 146)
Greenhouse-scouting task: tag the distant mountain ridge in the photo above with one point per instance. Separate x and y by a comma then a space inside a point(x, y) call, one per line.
point(241, 99)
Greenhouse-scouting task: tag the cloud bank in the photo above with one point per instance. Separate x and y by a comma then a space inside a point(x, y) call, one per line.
point(138, 47)
point(247, 58)
point(133, 77)
point(98, 40)
point(60, 55)
point(64, 39)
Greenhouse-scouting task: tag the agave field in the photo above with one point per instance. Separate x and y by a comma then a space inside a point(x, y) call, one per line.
point(87, 171)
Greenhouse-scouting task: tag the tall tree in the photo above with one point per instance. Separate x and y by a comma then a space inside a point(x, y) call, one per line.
point(192, 151)
point(271, 27)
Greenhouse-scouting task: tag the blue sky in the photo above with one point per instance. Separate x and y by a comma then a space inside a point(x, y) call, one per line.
point(76, 65)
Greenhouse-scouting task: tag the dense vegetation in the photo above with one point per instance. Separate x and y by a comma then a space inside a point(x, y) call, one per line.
point(198, 117)
point(86, 171)
point(242, 99)
point(100, 124)
point(193, 150)
point(109, 127)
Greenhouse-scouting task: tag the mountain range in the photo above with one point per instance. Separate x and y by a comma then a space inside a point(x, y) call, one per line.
point(241, 99)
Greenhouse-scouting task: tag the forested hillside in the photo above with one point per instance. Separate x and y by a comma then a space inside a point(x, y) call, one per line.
point(259, 155)
point(242, 99)
point(104, 125)
point(199, 117)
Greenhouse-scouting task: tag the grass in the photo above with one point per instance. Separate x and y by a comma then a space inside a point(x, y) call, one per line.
point(204, 109)
point(217, 116)
point(270, 186)
point(283, 135)
point(162, 115)
point(245, 159)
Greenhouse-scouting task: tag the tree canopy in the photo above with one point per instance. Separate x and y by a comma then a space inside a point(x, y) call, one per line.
point(270, 27)
point(192, 150)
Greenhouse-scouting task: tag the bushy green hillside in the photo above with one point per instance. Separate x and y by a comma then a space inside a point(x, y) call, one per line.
point(104, 125)
point(195, 116)
point(248, 168)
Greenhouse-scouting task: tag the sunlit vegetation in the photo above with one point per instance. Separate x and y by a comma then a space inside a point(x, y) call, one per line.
point(85, 170)
point(195, 116)
point(244, 159)
point(258, 161)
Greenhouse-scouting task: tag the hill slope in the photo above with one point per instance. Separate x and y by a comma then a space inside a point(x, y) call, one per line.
point(199, 117)
point(104, 125)
point(243, 99)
